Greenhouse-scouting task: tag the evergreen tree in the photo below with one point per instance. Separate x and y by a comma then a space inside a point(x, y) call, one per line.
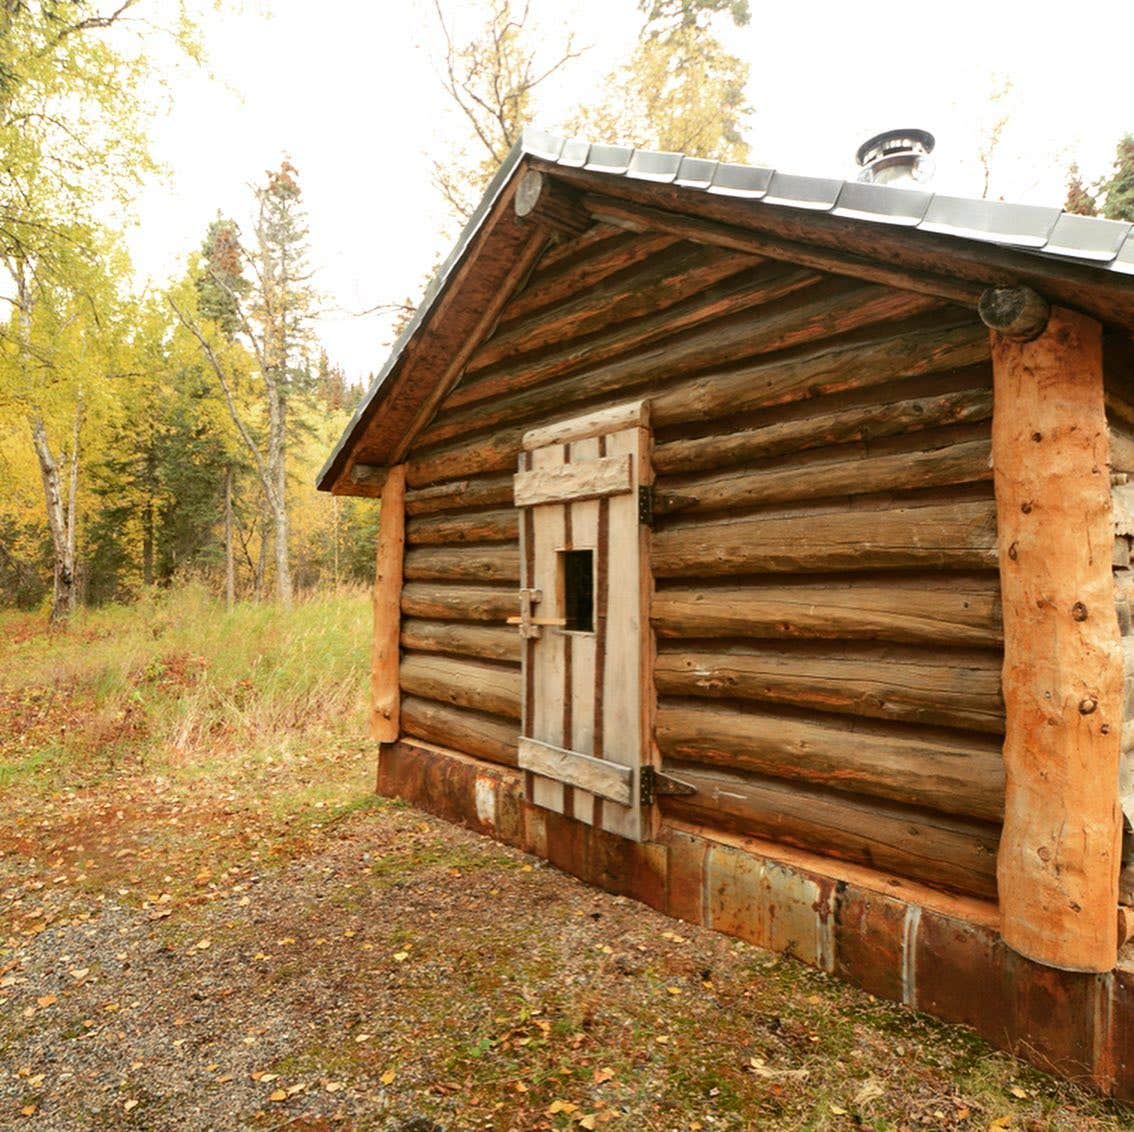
point(1118, 189)
point(1079, 199)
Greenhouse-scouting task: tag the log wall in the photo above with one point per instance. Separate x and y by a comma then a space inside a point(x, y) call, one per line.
point(824, 547)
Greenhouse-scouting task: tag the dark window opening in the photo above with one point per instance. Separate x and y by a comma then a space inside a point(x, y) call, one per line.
point(577, 576)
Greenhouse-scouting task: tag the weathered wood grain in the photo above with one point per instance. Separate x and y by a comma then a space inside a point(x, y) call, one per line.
point(845, 425)
point(590, 479)
point(482, 455)
point(466, 527)
point(388, 575)
point(945, 610)
point(477, 684)
point(1063, 667)
point(466, 563)
point(458, 602)
point(471, 732)
point(659, 283)
point(831, 472)
point(956, 535)
point(458, 639)
point(610, 418)
point(927, 686)
point(951, 773)
point(460, 495)
point(832, 367)
point(937, 849)
point(756, 288)
point(596, 776)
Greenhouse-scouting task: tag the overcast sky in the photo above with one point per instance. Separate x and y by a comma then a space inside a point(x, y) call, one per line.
point(349, 89)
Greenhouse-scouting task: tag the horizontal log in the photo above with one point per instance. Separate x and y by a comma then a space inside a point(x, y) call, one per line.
point(821, 314)
point(937, 849)
point(831, 368)
point(1121, 448)
point(834, 472)
point(657, 284)
point(478, 456)
point(568, 483)
point(713, 232)
point(946, 611)
point(597, 776)
point(466, 527)
point(458, 602)
point(460, 495)
point(465, 563)
point(578, 264)
point(930, 686)
point(950, 773)
point(847, 425)
point(471, 732)
point(959, 536)
point(492, 688)
point(458, 639)
point(755, 288)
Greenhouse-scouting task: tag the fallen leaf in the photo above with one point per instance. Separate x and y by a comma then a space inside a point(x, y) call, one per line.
point(28, 1110)
point(79, 973)
point(561, 1106)
point(673, 990)
point(588, 1121)
point(871, 1091)
point(401, 956)
point(1000, 1123)
point(388, 1076)
point(129, 1105)
point(204, 944)
point(604, 1074)
point(46, 1001)
point(332, 1086)
point(838, 1110)
point(362, 1037)
point(278, 1095)
point(1016, 1091)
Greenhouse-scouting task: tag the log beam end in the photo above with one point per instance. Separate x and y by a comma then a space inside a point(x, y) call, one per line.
point(1018, 313)
point(542, 201)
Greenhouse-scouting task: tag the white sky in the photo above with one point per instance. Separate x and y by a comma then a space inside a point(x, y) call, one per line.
point(349, 90)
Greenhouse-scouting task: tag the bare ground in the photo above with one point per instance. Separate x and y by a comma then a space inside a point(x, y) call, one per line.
point(266, 945)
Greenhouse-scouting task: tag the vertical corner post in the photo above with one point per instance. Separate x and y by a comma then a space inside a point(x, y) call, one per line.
point(385, 695)
point(1058, 862)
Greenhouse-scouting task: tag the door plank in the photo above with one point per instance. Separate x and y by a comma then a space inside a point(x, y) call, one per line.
point(589, 479)
point(596, 776)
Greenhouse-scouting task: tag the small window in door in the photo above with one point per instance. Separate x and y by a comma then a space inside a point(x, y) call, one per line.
point(577, 585)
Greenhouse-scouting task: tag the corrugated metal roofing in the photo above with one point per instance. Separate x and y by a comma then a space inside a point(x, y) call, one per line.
point(1091, 240)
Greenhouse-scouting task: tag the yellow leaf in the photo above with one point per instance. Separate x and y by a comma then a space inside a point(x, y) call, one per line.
point(662, 1039)
point(401, 956)
point(286, 941)
point(278, 1095)
point(225, 1079)
point(1016, 1091)
point(601, 1075)
point(838, 1110)
point(388, 1076)
point(80, 973)
point(46, 1000)
point(588, 1121)
point(332, 1086)
point(204, 944)
point(561, 1106)
point(28, 1110)
point(362, 1037)
point(1000, 1123)
point(673, 990)
point(129, 1105)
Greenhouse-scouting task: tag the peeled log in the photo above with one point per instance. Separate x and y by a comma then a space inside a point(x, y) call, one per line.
point(467, 527)
point(488, 641)
point(865, 422)
point(471, 732)
point(935, 849)
point(471, 563)
point(388, 575)
point(493, 453)
point(460, 495)
point(459, 603)
point(949, 774)
point(944, 610)
point(958, 536)
point(938, 688)
point(1063, 665)
point(492, 688)
point(833, 472)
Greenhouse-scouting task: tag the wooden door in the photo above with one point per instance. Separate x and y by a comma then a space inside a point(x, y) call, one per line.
point(587, 643)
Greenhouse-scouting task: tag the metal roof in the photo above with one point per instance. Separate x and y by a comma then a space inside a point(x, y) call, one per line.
point(1047, 233)
point(1107, 244)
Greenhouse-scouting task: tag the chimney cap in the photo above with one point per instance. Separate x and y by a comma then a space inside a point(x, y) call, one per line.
point(922, 138)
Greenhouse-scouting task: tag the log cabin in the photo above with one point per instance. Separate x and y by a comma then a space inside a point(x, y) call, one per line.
point(759, 546)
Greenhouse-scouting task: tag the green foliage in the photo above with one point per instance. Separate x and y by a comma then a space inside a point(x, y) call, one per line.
point(663, 16)
point(222, 284)
point(1118, 189)
point(1079, 199)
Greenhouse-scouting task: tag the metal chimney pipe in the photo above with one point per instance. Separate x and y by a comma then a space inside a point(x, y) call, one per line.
point(896, 157)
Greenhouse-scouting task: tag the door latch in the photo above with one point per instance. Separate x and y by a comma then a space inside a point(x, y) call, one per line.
point(652, 783)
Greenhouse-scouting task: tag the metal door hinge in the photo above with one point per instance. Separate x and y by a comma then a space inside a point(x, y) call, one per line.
point(652, 783)
point(646, 505)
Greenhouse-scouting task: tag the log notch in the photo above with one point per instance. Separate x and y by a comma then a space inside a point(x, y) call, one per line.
point(1059, 853)
point(544, 201)
point(384, 686)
